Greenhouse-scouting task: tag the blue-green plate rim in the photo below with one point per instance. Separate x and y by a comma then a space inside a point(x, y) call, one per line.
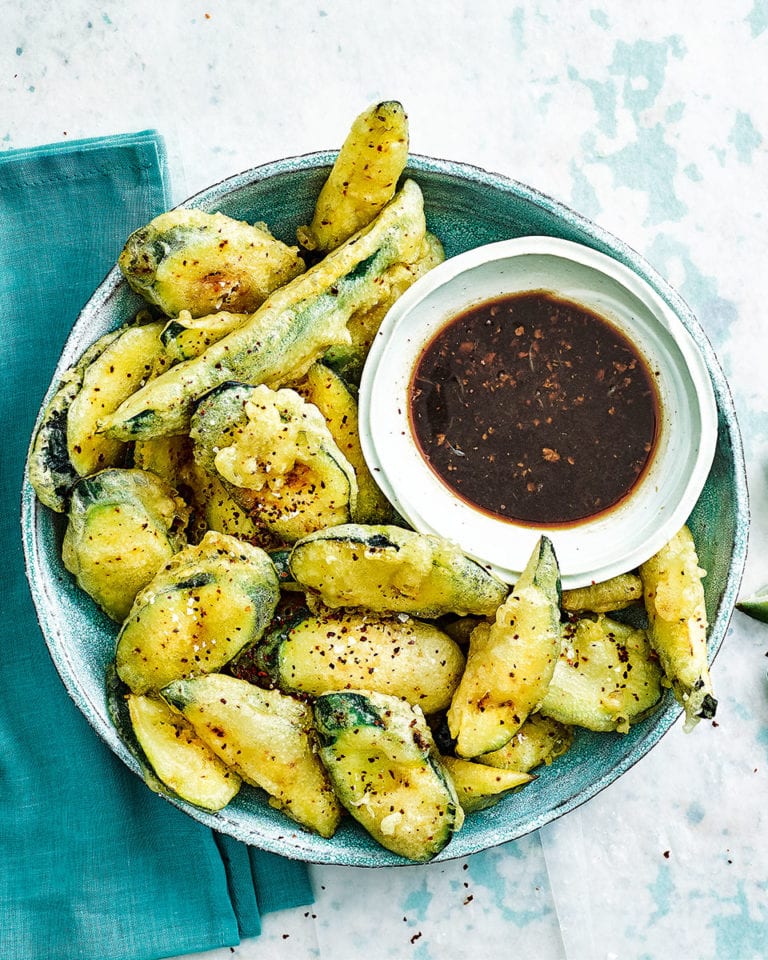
point(281, 836)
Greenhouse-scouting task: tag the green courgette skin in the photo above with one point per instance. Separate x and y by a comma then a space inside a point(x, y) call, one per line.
point(260, 662)
point(280, 557)
point(292, 329)
point(544, 572)
point(51, 471)
point(338, 713)
point(386, 771)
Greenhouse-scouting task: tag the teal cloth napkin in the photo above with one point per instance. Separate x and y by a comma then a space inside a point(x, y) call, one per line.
point(93, 865)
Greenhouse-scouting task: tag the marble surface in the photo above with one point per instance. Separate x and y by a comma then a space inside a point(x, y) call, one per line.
point(650, 118)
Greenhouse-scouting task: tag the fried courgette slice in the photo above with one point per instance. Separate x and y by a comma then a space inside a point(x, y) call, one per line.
point(386, 771)
point(123, 526)
point(197, 613)
point(165, 456)
point(187, 259)
point(398, 656)
point(387, 568)
point(617, 593)
point(674, 601)
point(348, 359)
point(213, 508)
point(276, 457)
point(606, 678)
point(67, 444)
point(186, 336)
point(510, 661)
point(363, 178)
point(292, 329)
point(268, 738)
point(180, 760)
point(333, 398)
point(540, 740)
point(479, 786)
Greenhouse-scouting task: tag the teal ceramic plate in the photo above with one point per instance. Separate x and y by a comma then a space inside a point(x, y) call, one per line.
point(465, 207)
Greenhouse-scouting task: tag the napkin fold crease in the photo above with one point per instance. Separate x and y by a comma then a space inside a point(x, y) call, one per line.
point(93, 865)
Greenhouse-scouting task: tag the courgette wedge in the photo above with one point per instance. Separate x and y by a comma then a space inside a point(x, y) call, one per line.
point(51, 471)
point(479, 786)
point(389, 568)
point(606, 677)
point(291, 330)
point(275, 455)
point(540, 740)
point(363, 178)
point(334, 399)
point(186, 336)
point(123, 526)
point(348, 359)
point(674, 601)
point(267, 738)
point(386, 771)
point(400, 656)
point(67, 444)
point(510, 661)
point(164, 456)
point(179, 758)
point(213, 508)
point(606, 596)
point(197, 613)
point(187, 259)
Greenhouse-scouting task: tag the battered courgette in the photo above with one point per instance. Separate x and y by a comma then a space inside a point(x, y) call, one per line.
point(540, 740)
point(215, 509)
point(334, 399)
point(399, 656)
point(67, 444)
point(363, 178)
point(510, 661)
point(123, 526)
point(606, 596)
point(267, 738)
point(348, 359)
point(606, 677)
point(187, 259)
point(291, 330)
point(180, 760)
point(276, 457)
point(674, 601)
point(186, 336)
point(389, 568)
point(479, 786)
point(197, 613)
point(386, 771)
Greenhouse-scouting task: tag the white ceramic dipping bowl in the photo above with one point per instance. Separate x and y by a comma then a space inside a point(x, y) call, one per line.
point(590, 550)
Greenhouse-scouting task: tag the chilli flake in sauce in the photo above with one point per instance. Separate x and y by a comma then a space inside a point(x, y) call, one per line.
point(534, 409)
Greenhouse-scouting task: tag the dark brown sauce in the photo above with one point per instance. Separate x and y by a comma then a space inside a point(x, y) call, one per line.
point(535, 409)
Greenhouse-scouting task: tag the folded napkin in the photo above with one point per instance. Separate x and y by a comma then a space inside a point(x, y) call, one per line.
point(93, 865)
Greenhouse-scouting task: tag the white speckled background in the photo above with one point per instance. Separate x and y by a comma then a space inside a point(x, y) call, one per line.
point(650, 118)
